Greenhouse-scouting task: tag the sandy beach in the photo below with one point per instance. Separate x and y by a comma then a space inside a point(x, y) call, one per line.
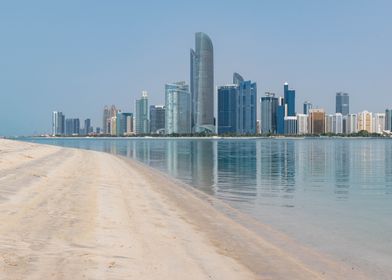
point(78, 214)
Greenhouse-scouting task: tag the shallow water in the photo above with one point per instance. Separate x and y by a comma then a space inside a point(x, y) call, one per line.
point(334, 195)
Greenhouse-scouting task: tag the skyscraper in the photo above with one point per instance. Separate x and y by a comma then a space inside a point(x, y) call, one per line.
point(105, 117)
point(87, 126)
point(142, 123)
point(342, 103)
point(289, 100)
point(269, 106)
point(177, 108)
point(247, 105)
point(58, 123)
point(307, 107)
point(123, 123)
point(280, 114)
point(388, 119)
point(202, 84)
point(72, 127)
point(227, 109)
point(365, 121)
point(157, 118)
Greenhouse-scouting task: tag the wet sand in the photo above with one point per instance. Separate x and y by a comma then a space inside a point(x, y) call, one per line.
point(76, 214)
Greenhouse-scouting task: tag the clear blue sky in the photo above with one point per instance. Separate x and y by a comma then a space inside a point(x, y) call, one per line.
point(77, 56)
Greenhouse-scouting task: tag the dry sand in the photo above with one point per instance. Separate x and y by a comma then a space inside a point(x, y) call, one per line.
point(76, 214)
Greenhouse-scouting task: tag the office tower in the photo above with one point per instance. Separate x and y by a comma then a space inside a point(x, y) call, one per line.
point(302, 124)
point(72, 127)
point(307, 107)
point(269, 106)
point(280, 114)
point(177, 108)
point(157, 118)
point(316, 121)
point(365, 121)
point(113, 125)
point(388, 119)
point(227, 109)
point(352, 124)
point(123, 123)
point(202, 84)
point(342, 103)
point(378, 123)
point(289, 100)
point(105, 117)
point(142, 121)
point(247, 108)
point(290, 125)
point(87, 126)
point(58, 123)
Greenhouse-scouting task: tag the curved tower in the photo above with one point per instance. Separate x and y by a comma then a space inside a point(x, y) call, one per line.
point(202, 84)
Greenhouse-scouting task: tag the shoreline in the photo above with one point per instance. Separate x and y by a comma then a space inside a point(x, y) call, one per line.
point(91, 214)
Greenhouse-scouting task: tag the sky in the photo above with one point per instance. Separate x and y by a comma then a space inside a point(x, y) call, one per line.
point(78, 56)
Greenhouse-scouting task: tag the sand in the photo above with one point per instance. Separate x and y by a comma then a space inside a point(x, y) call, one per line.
point(77, 214)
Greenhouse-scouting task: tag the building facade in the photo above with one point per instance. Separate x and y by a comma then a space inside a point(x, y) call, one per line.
point(157, 118)
point(269, 106)
point(124, 123)
point(365, 121)
point(247, 108)
point(142, 125)
point(342, 103)
point(227, 109)
point(290, 125)
point(177, 108)
point(202, 84)
point(316, 121)
point(388, 119)
point(289, 100)
point(58, 123)
point(306, 107)
point(302, 124)
point(72, 127)
point(378, 123)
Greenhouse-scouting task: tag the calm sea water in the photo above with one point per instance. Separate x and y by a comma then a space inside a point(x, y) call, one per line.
point(334, 195)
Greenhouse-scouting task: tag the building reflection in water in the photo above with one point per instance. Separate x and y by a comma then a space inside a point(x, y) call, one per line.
point(388, 167)
point(314, 164)
point(342, 167)
point(236, 164)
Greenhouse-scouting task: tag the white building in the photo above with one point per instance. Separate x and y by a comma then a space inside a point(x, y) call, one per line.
point(378, 122)
point(365, 121)
point(351, 124)
point(302, 124)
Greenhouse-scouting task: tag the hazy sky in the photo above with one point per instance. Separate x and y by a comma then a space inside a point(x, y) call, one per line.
point(77, 56)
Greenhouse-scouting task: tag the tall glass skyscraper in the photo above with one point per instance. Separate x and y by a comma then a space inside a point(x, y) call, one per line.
point(307, 107)
point(202, 84)
point(388, 119)
point(269, 106)
point(157, 118)
point(177, 108)
point(227, 109)
point(289, 100)
point(142, 123)
point(342, 103)
point(247, 103)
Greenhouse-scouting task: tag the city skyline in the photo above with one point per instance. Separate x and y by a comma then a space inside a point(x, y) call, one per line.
point(344, 50)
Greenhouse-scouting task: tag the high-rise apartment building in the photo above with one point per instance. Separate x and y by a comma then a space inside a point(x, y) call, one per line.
point(177, 108)
point(316, 121)
point(142, 122)
point(72, 126)
point(280, 114)
point(87, 126)
point(247, 108)
point(290, 125)
point(105, 117)
point(378, 123)
point(365, 121)
point(269, 106)
point(352, 123)
point(58, 123)
point(202, 84)
point(342, 103)
point(302, 124)
point(157, 118)
point(124, 124)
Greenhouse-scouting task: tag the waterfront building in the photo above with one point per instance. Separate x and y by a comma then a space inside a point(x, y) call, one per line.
point(388, 119)
point(280, 114)
point(105, 117)
point(202, 84)
point(342, 103)
point(365, 121)
point(177, 108)
point(269, 107)
point(58, 123)
point(142, 122)
point(289, 100)
point(72, 127)
point(351, 124)
point(316, 121)
point(113, 126)
point(307, 107)
point(227, 109)
point(87, 126)
point(247, 108)
point(337, 123)
point(378, 123)
point(124, 123)
point(157, 118)
point(328, 123)
point(302, 124)
point(290, 125)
